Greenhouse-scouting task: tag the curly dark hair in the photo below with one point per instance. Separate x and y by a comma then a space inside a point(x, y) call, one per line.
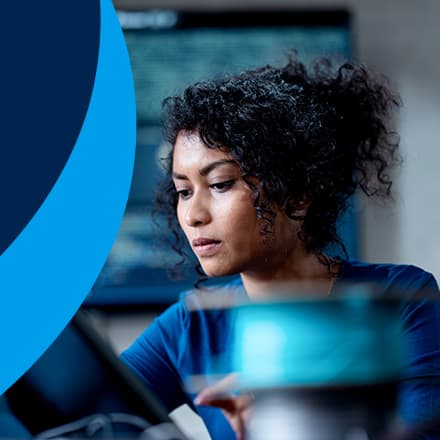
point(306, 134)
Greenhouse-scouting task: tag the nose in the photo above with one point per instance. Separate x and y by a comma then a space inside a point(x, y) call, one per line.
point(197, 211)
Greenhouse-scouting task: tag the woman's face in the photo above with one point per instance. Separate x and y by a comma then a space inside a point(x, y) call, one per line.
point(216, 212)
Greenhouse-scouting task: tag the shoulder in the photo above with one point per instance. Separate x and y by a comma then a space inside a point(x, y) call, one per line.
point(390, 277)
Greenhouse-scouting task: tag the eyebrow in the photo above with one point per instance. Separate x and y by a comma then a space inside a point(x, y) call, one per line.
point(207, 169)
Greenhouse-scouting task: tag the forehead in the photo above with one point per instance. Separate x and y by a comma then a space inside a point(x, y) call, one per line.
point(191, 153)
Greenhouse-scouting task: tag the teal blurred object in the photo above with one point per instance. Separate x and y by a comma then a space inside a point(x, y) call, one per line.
point(321, 368)
point(345, 340)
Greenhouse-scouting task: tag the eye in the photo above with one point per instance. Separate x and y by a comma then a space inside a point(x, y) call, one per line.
point(222, 186)
point(183, 194)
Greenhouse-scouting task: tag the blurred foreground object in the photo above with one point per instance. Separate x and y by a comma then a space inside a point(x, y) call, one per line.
point(323, 368)
point(79, 388)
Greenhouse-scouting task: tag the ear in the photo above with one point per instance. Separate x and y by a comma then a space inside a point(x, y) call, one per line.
point(297, 209)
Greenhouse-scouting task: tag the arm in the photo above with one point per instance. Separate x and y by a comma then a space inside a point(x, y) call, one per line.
point(419, 398)
point(154, 357)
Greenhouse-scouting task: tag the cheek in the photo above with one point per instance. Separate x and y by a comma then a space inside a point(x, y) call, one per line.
point(241, 224)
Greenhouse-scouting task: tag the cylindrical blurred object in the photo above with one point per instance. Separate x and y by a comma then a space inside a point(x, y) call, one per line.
point(321, 369)
point(338, 413)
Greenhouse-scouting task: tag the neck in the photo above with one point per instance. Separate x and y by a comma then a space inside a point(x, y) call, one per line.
point(306, 274)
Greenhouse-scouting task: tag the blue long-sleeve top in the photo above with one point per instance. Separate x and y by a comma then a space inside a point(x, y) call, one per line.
point(181, 343)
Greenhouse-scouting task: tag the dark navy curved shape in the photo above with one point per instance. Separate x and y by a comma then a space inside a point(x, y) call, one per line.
point(47, 271)
point(49, 58)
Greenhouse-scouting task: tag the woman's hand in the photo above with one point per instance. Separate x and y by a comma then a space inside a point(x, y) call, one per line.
point(235, 408)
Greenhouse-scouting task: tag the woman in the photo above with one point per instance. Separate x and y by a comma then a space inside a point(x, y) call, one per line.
point(262, 166)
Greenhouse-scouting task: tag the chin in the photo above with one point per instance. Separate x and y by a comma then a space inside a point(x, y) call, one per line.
point(214, 271)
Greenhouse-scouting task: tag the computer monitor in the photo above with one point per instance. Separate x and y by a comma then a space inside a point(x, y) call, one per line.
point(169, 50)
point(80, 376)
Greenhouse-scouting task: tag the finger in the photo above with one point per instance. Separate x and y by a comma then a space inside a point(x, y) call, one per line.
point(232, 404)
point(236, 410)
point(232, 409)
point(227, 404)
point(237, 422)
point(221, 389)
point(238, 426)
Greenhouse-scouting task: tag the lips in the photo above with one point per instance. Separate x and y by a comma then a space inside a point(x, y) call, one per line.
point(204, 241)
point(205, 247)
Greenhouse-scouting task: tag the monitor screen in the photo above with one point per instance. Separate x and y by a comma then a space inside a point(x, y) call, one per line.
point(189, 47)
point(79, 379)
point(169, 50)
